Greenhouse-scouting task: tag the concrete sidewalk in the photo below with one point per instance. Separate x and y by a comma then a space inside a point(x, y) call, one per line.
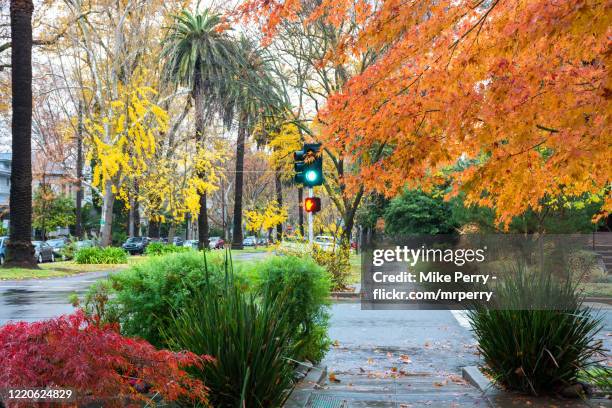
point(394, 358)
point(405, 359)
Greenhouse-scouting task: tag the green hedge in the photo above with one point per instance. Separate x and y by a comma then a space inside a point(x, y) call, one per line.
point(97, 255)
point(304, 288)
point(143, 297)
point(159, 248)
point(254, 322)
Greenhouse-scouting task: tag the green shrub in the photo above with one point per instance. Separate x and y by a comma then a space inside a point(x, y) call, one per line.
point(159, 248)
point(415, 212)
point(250, 338)
point(143, 297)
point(97, 255)
point(305, 287)
point(336, 263)
point(69, 250)
point(543, 348)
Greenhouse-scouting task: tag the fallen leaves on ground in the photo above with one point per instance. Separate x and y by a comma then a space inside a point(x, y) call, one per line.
point(332, 378)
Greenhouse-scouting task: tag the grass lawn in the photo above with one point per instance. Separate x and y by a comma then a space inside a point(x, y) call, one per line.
point(355, 273)
point(597, 289)
point(63, 268)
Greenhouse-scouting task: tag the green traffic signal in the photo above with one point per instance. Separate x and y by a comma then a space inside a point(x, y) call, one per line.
point(311, 176)
point(308, 165)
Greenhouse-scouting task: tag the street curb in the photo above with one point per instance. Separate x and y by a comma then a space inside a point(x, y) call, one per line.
point(345, 295)
point(303, 389)
point(606, 300)
point(474, 376)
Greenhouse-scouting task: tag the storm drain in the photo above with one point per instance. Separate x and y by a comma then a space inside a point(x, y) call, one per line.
point(325, 401)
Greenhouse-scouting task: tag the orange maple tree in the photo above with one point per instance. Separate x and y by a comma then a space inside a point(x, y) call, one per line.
point(520, 89)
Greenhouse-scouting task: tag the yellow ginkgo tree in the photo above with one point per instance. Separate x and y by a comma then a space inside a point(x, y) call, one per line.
point(267, 218)
point(172, 186)
point(121, 142)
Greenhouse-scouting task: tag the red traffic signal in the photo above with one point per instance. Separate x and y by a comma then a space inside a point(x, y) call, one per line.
point(312, 204)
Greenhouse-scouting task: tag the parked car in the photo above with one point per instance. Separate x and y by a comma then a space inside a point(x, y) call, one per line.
point(262, 241)
point(43, 252)
point(191, 243)
point(216, 243)
point(177, 241)
point(135, 245)
point(249, 241)
point(58, 245)
point(3, 241)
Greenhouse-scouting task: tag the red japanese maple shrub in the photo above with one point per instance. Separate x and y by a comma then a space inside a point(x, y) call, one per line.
point(99, 364)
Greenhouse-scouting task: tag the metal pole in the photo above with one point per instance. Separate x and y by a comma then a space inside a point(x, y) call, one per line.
point(310, 219)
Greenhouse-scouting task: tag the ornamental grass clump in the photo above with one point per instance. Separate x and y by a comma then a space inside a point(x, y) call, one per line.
point(540, 337)
point(251, 338)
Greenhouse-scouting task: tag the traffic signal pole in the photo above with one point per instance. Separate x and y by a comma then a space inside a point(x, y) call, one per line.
point(308, 166)
point(310, 219)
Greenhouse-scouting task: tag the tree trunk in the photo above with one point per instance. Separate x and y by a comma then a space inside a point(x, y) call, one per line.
point(199, 122)
point(203, 222)
point(171, 232)
point(131, 218)
point(20, 250)
point(279, 200)
point(223, 211)
point(153, 229)
point(237, 233)
point(106, 220)
point(78, 229)
point(301, 210)
point(136, 210)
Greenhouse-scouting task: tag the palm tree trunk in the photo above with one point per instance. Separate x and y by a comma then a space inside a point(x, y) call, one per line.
point(237, 233)
point(199, 100)
point(20, 250)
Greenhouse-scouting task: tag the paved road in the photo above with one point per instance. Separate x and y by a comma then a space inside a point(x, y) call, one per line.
point(407, 358)
point(37, 299)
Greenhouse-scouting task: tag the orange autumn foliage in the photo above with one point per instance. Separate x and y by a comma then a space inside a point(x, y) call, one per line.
point(522, 86)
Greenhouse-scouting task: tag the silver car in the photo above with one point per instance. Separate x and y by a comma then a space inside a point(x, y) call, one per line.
point(43, 252)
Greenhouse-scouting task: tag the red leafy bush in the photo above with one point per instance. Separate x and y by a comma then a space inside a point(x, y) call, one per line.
point(98, 363)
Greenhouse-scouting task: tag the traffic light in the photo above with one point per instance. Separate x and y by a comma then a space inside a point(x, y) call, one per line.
point(312, 204)
point(308, 165)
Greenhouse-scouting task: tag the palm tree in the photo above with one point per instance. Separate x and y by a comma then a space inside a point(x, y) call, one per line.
point(200, 56)
point(254, 95)
point(20, 250)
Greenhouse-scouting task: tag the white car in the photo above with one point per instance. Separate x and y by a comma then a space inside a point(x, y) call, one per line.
point(326, 243)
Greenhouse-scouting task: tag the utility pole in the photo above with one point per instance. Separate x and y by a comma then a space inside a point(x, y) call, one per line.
point(310, 219)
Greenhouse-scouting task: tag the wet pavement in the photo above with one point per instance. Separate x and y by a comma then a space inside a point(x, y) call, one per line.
point(39, 299)
point(406, 359)
point(399, 358)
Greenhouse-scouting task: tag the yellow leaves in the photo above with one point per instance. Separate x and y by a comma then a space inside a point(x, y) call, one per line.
point(123, 138)
point(270, 217)
point(172, 186)
point(283, 143)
